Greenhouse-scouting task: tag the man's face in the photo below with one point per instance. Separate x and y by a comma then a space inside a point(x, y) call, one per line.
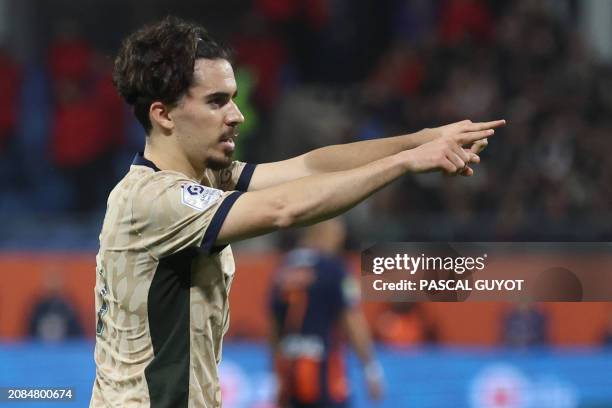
point(206, 118)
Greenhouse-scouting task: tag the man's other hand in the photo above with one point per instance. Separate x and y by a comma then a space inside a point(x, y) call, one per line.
point(456, 146)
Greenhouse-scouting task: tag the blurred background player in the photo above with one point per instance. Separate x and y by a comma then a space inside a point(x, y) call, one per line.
point(525, 325)
point(314, 306)
point(53, 317)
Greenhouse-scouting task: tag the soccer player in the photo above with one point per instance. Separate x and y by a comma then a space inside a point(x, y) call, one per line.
point(314, 304)
point(165, 267)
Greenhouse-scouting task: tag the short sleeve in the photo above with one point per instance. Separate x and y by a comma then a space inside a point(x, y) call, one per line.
point(171, 214)
point(235, 177)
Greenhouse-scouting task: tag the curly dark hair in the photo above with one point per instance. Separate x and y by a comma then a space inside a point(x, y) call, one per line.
point(156, 63)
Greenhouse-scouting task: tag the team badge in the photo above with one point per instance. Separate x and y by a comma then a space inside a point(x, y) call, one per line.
point(199, 197)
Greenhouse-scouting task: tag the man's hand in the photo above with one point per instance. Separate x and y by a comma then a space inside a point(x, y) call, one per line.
point(456, 146)
point(465, 126)
point(479, 145)
point(374, 380)
point(476, 148)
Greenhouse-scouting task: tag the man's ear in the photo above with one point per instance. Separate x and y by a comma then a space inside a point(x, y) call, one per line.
point(160, 114)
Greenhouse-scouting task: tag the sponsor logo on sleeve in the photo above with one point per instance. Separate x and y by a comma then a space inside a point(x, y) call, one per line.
point(199, 197)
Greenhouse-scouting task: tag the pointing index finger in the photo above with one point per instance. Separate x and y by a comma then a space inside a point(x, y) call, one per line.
point(486, 125)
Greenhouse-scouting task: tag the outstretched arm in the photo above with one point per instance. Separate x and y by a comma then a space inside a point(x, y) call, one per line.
point(322, 196)
point(359, 337)
point(351, 155)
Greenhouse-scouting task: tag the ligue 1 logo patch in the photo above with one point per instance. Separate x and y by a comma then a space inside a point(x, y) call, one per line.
point(199, 197)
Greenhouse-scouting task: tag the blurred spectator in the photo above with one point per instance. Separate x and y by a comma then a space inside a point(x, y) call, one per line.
point(70, 55)
point(10, 80)
point(405, 324)
point(299, 24)
point(399, 74)
point(463, 20)
point(260, 49)
point(415, 20)
point(314, 302)
point(87, 123)
point(525, 325)
point(10, 86)
point(52, 318)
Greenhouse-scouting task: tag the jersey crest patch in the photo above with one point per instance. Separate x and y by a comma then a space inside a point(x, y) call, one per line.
point(199, 197)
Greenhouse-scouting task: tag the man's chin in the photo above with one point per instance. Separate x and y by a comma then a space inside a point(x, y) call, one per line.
point(219, 163)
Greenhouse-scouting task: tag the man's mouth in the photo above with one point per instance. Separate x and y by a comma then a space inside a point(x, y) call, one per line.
point(227, 143)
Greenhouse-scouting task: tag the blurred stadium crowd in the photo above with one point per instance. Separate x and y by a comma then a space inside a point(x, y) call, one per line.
point(318, 72)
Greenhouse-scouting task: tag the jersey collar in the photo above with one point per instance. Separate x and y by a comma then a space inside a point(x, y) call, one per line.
point(139, 160)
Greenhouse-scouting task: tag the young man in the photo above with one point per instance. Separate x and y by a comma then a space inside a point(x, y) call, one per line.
point(164, 267)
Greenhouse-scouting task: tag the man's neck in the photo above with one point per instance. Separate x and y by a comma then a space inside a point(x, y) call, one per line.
point(167, 157)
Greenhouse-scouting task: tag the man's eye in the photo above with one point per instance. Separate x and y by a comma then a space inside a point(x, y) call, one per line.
point(217, 102)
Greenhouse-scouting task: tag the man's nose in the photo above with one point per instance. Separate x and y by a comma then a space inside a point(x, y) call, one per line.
point(234, 116)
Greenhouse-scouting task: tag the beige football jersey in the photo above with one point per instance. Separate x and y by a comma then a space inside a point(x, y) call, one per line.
point(162, 288)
